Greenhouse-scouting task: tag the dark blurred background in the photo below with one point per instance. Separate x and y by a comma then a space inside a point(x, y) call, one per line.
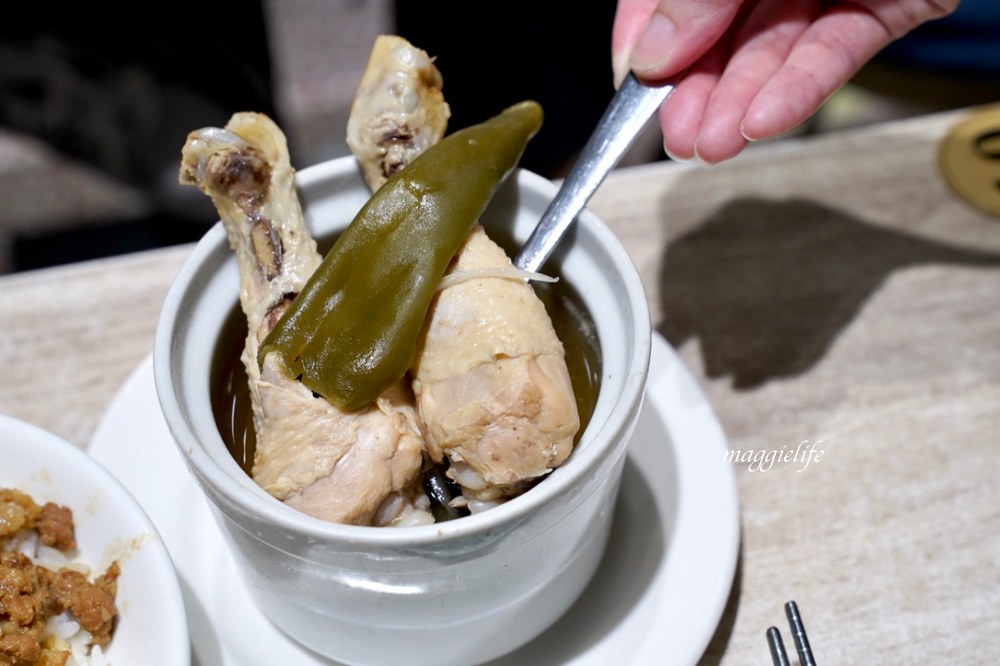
point(94, 109)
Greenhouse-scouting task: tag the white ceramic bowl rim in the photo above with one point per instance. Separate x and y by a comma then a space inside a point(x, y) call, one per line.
point(580, 463)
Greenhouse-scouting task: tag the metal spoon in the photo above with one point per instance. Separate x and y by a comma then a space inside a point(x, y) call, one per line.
point(627, 114)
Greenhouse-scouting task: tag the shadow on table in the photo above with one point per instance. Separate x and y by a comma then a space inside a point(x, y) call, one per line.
point(766, 286)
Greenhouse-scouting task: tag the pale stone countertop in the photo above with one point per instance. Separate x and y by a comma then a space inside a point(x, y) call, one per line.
point(830, 290)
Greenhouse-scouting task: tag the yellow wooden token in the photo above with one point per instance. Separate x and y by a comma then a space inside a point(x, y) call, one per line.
point(969, 159)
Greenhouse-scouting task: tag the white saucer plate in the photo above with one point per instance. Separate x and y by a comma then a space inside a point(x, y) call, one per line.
point(658, 594)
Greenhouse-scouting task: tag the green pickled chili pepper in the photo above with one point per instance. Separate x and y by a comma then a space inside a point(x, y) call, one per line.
point(353, 329)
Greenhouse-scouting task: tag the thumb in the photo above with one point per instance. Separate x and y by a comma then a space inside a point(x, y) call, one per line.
point(659, 38)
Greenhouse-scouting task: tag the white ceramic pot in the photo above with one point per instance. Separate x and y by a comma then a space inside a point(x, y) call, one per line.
point(459, 592)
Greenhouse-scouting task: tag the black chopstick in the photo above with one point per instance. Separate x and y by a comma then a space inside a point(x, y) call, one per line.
point(799, 635)
point(778, 655)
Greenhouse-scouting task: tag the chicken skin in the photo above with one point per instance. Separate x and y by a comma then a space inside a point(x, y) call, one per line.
point(493, 391)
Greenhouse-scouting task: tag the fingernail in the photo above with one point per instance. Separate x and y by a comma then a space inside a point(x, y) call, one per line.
point(654, 45)
point(699, 157)
point(619, 67)
point(746, 136)
point(677, 158)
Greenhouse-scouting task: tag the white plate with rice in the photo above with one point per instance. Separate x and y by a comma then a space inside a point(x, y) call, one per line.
point(151, 627)
point(657, 597)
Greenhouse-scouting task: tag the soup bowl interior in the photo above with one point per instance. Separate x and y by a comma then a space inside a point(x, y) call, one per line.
point(461, 591)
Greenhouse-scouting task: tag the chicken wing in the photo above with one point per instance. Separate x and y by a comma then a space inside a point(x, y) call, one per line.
point(333, 465)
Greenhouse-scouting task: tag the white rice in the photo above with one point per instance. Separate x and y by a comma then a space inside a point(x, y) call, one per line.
point(66, 631)
point(69, 635)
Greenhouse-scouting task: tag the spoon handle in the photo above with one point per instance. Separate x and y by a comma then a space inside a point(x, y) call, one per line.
point(627, 114)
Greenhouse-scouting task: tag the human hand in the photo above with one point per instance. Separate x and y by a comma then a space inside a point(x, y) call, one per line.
point(755, 69)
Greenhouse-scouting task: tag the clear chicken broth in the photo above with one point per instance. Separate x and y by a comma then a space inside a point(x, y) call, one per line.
point(231, 395)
